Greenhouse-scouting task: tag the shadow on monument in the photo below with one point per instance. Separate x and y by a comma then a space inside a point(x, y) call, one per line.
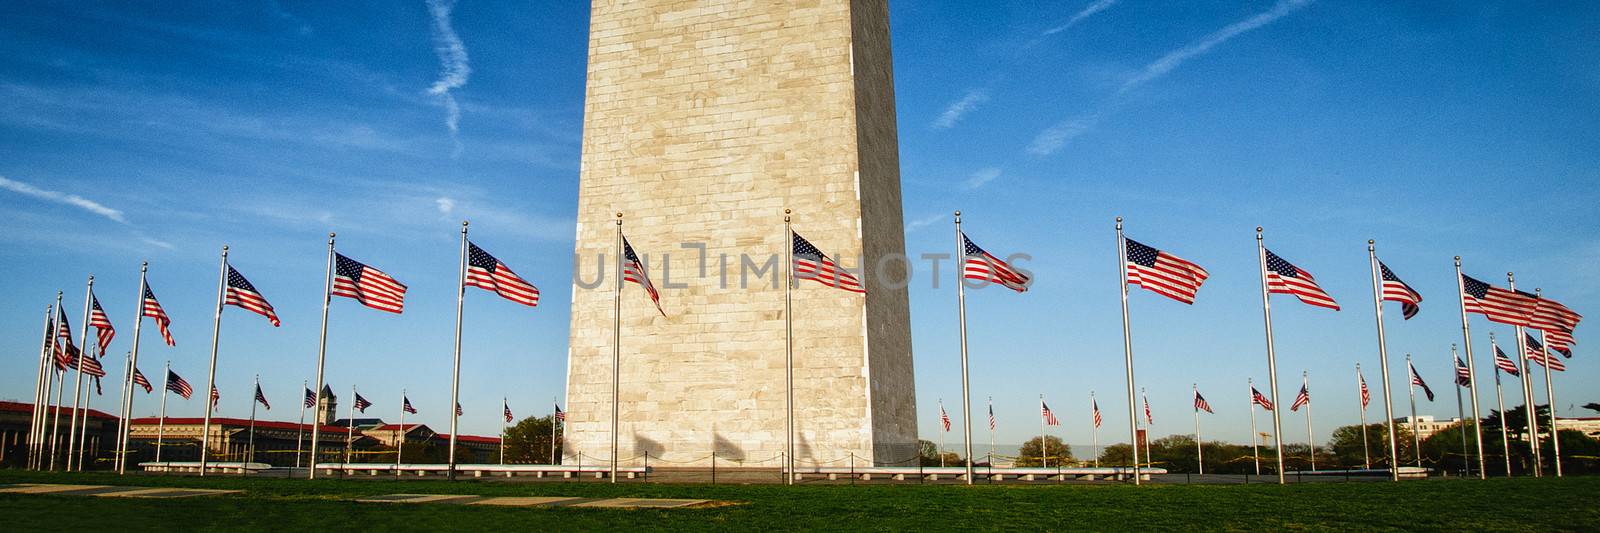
point(726, 449)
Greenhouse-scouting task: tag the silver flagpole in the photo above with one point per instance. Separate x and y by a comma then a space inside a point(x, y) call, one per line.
point(322, 354)
point(504, 407)
point(1472, 371)
point(1127, 349)
point(1500, 402)
point(1366, 454)
point(1095, 430)
point(1272, 356)
point(400, 439)
point(1147, 425)
point(455, 373)
point(211, 375)
point(616, 352)
point(553, 432)
point(299, 429)
point(1255, 448)
point(122, 412)
point(133, 366)
point(991, 436)
point(1311, 441)
point(39, 384)
point(59, 380)
point(1527, 392)
point(77, 389)
point(253, 402)
point(1550, 394)
point(1199, 452)
point(1383, 362)
point(350, 429)
point(788, 353)
point(941, 433)
point(1461, 412)
point(83, 422)
point(966, 395)
point(1044, 458)
point(161, 422)
point(1416, 438)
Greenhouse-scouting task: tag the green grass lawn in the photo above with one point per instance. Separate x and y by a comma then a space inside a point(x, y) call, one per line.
point(298, 505)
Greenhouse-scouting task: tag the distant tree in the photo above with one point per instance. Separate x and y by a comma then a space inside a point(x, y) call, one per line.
point(1345, 448)
point(1057, 452)
point(528, 442)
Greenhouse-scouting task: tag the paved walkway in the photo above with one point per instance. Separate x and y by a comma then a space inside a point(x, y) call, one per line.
point(118, 491)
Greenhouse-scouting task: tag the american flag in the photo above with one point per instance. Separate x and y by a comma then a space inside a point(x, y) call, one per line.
point(1200, 403)
point(1536, 353)
point(486, 272)
point(1163, 273)
point(139, 379)
point(508, 411)
point(97, 391)
point(1366, 394)
point(1147, 418)
point(984, 267)
point(1463, 375)
point(262, 398)
point(65, 353)
point(244, 295)
point(101, 323)
point(370, 286)
point(1302, 399)
point(1557, 322)
point(633, 270)
point(215, 396)
point(1284, 278)
point(152, 308)
point(992, 423)
point(811, 263)
point(361, 403)
point(1416, 379)
point(1049, 417)
point(176, 383)
point(91, 366)
point(1395, 290)
point(560, 415)
point(1260, 399)
point(458, 409)
point(944, 417)
point(311, 399)
point(405, 405)
point(1502, 362)
point(1094, 406)
point(1497, 304)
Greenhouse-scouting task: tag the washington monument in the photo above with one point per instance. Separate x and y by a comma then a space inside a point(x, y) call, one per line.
point(703, 122)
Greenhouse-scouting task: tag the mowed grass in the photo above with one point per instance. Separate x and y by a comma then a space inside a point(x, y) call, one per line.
point(1520, 504)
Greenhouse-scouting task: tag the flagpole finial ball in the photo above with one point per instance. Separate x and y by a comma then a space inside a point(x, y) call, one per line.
point(1258, 229)
point(1119, 220)
point(786, 211)
point(1371, 242)
point(330, 235)
point(143, 265)
point(958, 212)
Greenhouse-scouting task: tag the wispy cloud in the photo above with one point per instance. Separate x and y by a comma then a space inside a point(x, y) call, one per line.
point(1091, 10)
point(982, 177)
point(1177, 57)
point(924, 222)
point(1054, 137)
point(453, 66)
point(62, 198)
point(445, 204)
point(959, 108)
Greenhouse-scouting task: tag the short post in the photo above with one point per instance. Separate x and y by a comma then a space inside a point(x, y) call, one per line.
point(713, 465)
point(852, 468)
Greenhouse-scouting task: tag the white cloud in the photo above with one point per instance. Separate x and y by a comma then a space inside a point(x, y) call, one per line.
point(924, 222)
point(1176, 58)
point(445, 205)
point(959, 108)
point(62, 198)
point(1054, 137)
point(1091, 10)
point(982, 177)
point(453, 65)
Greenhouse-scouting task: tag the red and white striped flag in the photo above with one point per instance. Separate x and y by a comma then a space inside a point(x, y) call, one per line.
point(362, 403)
point(486, 272)
point(1049, 417)
point(810, 263)
point(508, 411)
point(370, 286)
point(633, 270)
point(1504, 363)
point(103, 331)
point(1463, 375)
point(1301, 400)
point(1395, 290)
point(140, 380)
point(405, 405)
point(261, 398)
point(1200, 403)
point(242, 294)
point(1557, 322)
point(1497, 304)
point(1163, 273)
point(944, 417)
point(992, 423)
point(1285, 278)
point(66, 355)
point(1260, 399)
point(176, 383)
point(152, 309)
point(215, 396)
point(1094, 405)
point(1537, 354)
point(560, 415)
point(1147, 418)
point(982, 266)
point(1416, 379)
point(1366, 394)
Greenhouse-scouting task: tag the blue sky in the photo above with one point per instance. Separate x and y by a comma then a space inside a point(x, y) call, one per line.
point(160, 132)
